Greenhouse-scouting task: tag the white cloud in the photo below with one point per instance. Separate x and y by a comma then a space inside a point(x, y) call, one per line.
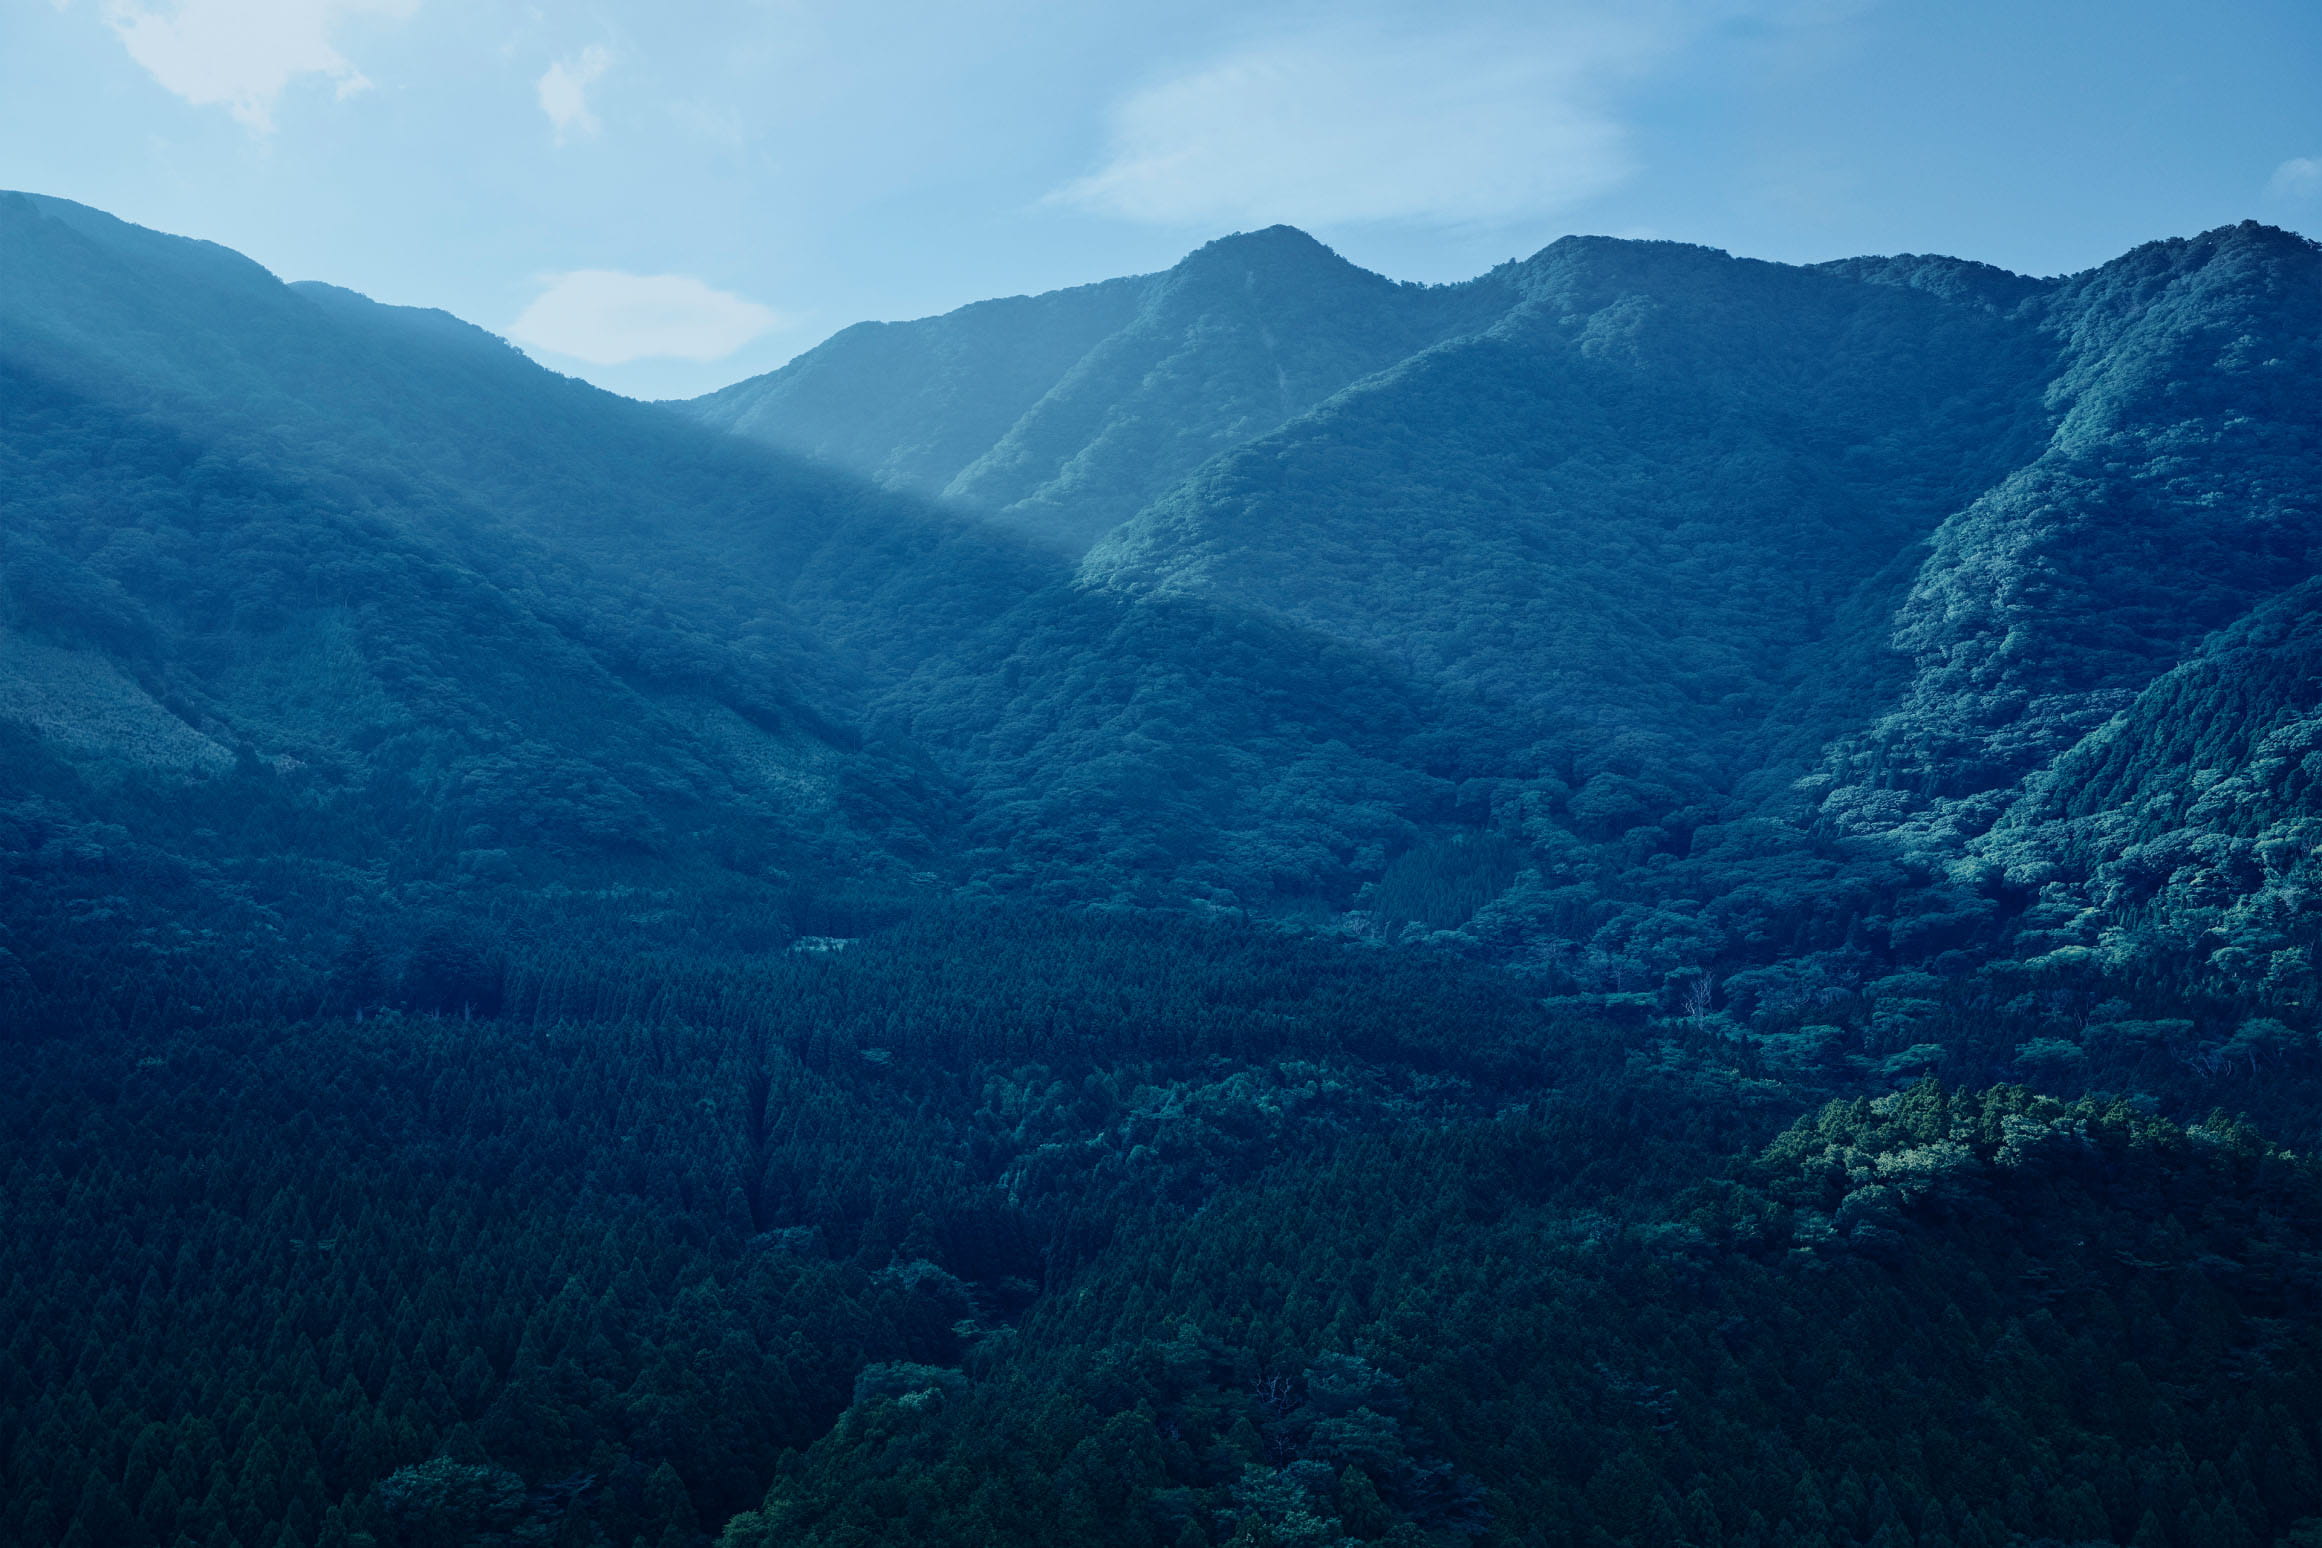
point(1356, 123)
point(2300, 177)
point(606, 317)
point(240, 54)
point(564, 91)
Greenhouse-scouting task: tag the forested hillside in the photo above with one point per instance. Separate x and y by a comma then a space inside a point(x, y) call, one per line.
point(1656, 899)
point(412, 598)
point(1704, 611)
point(1061, 415)
point(1633, 614)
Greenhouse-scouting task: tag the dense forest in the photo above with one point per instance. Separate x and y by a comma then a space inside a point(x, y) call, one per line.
point(1651, 900)
point(1007, 1228)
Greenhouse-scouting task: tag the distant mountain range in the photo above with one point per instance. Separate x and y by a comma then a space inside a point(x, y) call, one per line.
point(1628, 614)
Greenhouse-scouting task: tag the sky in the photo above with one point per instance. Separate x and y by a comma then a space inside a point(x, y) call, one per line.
point(664, 196)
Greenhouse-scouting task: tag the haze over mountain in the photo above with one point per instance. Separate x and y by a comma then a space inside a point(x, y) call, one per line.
point(1066, 413)
point(1183, 911)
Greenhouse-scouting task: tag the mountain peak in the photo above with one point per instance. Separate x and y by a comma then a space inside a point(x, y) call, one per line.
point(2248, 239)
point(1273, 247)
point(2257, 234)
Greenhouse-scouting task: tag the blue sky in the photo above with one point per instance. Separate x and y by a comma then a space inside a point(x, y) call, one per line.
point(668, 196)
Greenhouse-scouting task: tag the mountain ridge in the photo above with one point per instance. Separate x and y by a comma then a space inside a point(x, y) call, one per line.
point(1577, 571)
point(1921, 406)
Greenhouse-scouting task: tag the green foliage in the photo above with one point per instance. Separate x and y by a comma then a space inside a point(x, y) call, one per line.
point(1426, 966)
point(1062, 415)
point(1000, 1226)
point(1441, 886)
point(671, 1217)
point(1671, 590)
point(1936, 1314)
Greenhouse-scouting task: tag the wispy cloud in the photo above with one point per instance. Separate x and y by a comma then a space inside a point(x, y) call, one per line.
point(564, 91)
point(2300, 177)
point(240, 54)
point(711, 123)
point(606, 317)
point(1354, 122)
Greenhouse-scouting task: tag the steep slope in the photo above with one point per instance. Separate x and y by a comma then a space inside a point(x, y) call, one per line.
point(2177, 491)
point(2192, 820)
point(298, 580)
point(1623, 509)
point(383, 591)
point(1637, 614)
point(1060, 415)
point(1739, 598)
point(913, 404)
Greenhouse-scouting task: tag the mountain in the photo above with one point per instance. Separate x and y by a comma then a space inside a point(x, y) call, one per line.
point(2174, 494)
point(366, 576)
point(326, 616)
point(1699, 581)
point(1062, 415)
point(1654, 899)
point(1631, 614)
